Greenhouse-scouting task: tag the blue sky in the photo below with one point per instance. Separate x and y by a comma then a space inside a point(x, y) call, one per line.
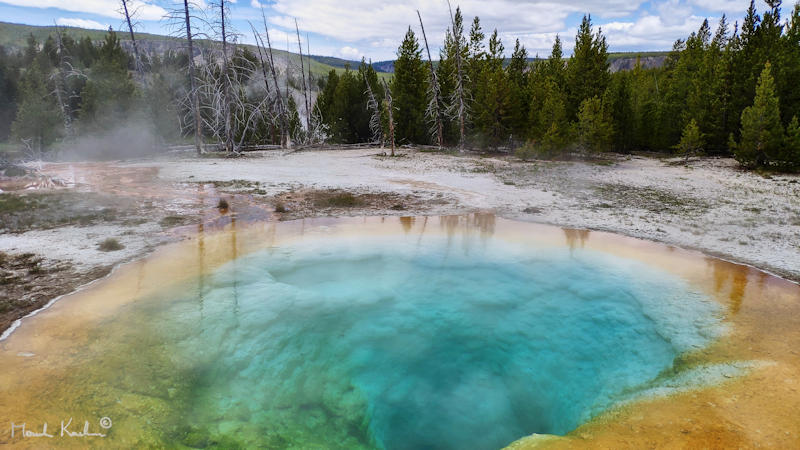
point(373, 28)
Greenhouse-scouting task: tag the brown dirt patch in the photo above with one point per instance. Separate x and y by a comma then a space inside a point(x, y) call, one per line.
point(339, 202)
point(28, 283)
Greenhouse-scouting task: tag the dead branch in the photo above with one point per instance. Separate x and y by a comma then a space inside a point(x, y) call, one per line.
point(389, 108)
point(303, 72)
point(136, 56)
point(282, 110)
point(375, 118)
point(434, 110)
point(458, 100)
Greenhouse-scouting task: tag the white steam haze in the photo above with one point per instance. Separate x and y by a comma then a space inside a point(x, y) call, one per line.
point(132, 139)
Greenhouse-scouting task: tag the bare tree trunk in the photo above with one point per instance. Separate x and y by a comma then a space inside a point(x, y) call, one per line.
point(462, 107)
point(375, 118)
point(389, 107)
point(288, 66)
point(198, 142)
point(61, 87)
point(436, 101)
point(303, 71)
point(261, 58)
point(229, 145)
point(282, 111)
point(137, 57)
point(310, 76)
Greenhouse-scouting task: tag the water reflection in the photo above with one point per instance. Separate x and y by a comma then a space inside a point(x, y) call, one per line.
point(731, 279)
point(576, 238)
point(407, 223)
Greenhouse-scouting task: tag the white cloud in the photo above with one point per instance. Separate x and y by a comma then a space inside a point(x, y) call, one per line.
point(350, 53)
point(255, 4)
point(145, 9)
point(283, 40)
point(739, 6)
point(380, 24)
point(651, 31)
point(673, 12)
point(81, 23)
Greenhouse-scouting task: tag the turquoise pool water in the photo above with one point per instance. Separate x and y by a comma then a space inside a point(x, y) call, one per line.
point(405, 342)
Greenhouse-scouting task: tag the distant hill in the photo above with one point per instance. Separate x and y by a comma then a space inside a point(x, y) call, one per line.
point(14, 36)
point(617, 61)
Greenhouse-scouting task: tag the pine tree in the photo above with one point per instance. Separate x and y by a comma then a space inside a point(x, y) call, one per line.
point(594, 129)
point(476, 52)
point(492, 101)
point(518, 92)
point(553, 118)
point(692, 141)
point(554, 67)
point(325, 103)
point(762, 132)
point(8, 93)
point(109, 94)
point(687, 93)
point(618, 99)
point(295, 124)
point(720, 121)
point(38, 121)
point(545, 94)
point(587, 72)
point(409, 88)
point(349, 118)
point(791, 148)
point(645, 102)
point(788, 79)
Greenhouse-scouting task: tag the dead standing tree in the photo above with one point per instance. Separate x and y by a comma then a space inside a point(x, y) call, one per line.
point(458, 105)
point(231, 110)
point(389, 108)
point(375, 117)
point(282, 109)
point(61, 78)
point(137, 57)
point(434, 110)
point(271, 116)
point(303, 72)
point(181, 24)
point(226, 81)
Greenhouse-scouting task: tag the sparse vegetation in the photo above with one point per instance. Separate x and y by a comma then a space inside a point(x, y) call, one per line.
point(337, 200)
point(110, 245)
point(21, 212)
point(172, 221)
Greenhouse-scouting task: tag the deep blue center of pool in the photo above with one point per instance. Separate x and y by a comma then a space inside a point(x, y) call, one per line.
point(406, 344)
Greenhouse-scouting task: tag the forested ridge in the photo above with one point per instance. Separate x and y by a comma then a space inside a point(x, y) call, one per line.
point(728, 89)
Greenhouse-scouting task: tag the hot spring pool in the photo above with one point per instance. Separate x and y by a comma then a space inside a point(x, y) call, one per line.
point(365, 336)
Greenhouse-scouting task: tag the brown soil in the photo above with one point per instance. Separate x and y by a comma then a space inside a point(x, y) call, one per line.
point(307, 203)
point(28, 283)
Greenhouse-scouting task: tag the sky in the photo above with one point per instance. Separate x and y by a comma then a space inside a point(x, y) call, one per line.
point(373, 29)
